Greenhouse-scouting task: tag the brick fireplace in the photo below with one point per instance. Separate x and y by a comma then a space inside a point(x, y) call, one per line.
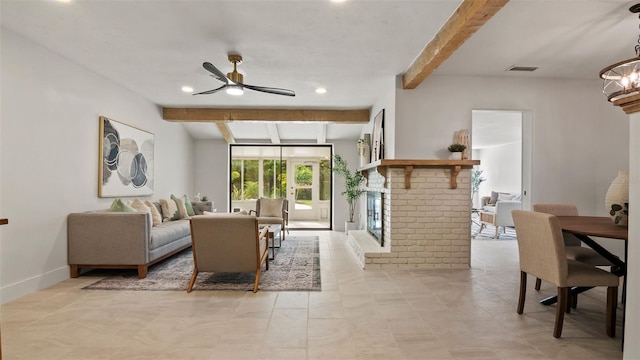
point(426, 216)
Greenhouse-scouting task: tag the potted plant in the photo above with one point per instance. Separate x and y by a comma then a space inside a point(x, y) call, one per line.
point(476, 180)
point(352, 183)
point(456, 151)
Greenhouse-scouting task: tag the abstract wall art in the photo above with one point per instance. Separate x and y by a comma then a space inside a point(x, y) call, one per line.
point(126, 160)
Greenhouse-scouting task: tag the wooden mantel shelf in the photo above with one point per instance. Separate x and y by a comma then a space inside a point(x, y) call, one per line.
point(381, 166)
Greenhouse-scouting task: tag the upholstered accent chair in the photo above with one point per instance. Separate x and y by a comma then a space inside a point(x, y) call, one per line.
point(542, 254)
point(273, 212)
point(228, 243)
point(573, 245)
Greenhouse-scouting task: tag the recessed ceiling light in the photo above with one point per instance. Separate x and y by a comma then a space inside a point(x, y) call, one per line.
point(321, 91)
point(187, 89)
point(64, 1)
point(338, 1)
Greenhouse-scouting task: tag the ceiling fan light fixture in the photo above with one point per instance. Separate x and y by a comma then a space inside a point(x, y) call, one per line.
point(187, 89)
point(235, 90)
point(622, 79)
point(321, 91)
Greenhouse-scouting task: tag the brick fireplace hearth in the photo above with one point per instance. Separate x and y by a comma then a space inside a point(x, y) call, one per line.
point(427, 215)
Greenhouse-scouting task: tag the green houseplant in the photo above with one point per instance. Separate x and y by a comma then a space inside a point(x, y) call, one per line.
point(352, 183)
point(456, 151)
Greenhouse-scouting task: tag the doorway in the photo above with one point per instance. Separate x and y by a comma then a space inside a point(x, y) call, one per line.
point(501, 140)
point(299, 173)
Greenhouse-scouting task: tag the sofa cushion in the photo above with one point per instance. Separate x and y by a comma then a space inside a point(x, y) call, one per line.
point(169, 210)
point(142, 207)
point(506, 197)
point(168, 232)
point(155, 214)
point(270, 207)
point(494, 197)
point(182, 209)
point(119, 206)
point(189, 206)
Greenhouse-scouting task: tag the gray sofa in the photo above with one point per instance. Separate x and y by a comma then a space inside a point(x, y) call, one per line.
point(103, 239)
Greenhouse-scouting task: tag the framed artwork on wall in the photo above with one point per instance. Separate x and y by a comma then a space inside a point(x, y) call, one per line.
point(377, 150)
point(126, 160)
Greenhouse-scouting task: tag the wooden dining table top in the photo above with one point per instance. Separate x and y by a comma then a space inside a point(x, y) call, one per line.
point(601, 226)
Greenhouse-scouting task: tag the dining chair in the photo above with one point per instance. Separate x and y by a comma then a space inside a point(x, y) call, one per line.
point(542, 254)
point(228, 243)
point(573, 245)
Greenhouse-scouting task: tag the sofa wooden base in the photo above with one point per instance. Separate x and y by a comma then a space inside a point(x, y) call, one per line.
point(142, 269)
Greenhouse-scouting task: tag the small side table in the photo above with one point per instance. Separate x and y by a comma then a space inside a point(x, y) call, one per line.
point(487, 218)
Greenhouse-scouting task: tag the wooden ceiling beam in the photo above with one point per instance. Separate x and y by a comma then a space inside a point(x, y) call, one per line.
point(226, 132)
point(359, 116)
point(467, 19)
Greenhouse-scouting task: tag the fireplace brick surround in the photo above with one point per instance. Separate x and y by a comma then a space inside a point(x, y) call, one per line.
point(426, 221)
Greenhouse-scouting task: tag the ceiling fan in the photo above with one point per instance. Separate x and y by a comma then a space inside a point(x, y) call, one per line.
point(233, 81)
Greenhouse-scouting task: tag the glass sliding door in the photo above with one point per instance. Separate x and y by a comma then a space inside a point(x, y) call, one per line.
point(299, 173)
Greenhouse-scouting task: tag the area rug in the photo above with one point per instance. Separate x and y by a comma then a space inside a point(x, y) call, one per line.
point(296, 267)
point(489, 231)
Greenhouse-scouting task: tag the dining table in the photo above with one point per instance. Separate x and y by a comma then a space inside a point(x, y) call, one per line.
point(583, 227)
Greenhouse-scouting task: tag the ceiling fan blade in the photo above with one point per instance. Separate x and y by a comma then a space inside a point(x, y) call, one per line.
point(270, 90)
point(218, 74)
point(211, 91)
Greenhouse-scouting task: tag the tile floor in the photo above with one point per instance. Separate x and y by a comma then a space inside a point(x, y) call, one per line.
point(372, 314)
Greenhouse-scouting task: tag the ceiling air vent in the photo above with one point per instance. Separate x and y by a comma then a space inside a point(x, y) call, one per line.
point(523, 68)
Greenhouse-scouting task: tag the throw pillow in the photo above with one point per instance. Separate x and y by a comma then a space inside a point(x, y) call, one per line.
point(181, 207)
point(169, 210)
point(119, 206)
point(270, 207)
point(155, 214)
point(505, 197)
point(189, 206)
point(142, 207)
point(494, 197)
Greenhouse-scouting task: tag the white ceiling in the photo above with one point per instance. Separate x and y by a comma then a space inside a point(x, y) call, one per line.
point(351, 48)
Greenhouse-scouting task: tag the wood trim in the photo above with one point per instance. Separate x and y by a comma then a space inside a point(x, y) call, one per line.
point(382, 166)
point(629, 104)
point(358, 116)
point(226, 132)
point(4, 221)
point(470, 16)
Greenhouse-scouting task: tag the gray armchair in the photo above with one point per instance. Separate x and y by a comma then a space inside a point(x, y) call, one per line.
point(273, 212)
point(228, 243)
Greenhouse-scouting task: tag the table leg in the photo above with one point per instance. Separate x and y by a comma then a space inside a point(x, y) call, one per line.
point(270, 243)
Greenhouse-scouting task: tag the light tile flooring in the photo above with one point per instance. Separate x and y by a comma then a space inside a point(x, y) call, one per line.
point(359, 314)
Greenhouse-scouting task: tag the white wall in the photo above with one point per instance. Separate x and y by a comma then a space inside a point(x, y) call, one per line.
point(579, 140)
point(49, 157)
point(632, 316)
point(502, 168)
point(212, 172)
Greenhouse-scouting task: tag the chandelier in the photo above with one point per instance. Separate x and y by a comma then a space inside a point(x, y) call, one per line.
point(622, 79)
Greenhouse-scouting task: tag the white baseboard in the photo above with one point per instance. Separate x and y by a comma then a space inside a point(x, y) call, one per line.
point(27, 286)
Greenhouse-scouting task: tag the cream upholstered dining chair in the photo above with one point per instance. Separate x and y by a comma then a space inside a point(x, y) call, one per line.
point(542, 254)
point(573, 245)
point(228, 243)
point(273, 212)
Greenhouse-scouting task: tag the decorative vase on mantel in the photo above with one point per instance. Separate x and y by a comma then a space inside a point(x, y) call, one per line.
point(617, 199)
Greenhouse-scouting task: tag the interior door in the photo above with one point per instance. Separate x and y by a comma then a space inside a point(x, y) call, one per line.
point(303, 190)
